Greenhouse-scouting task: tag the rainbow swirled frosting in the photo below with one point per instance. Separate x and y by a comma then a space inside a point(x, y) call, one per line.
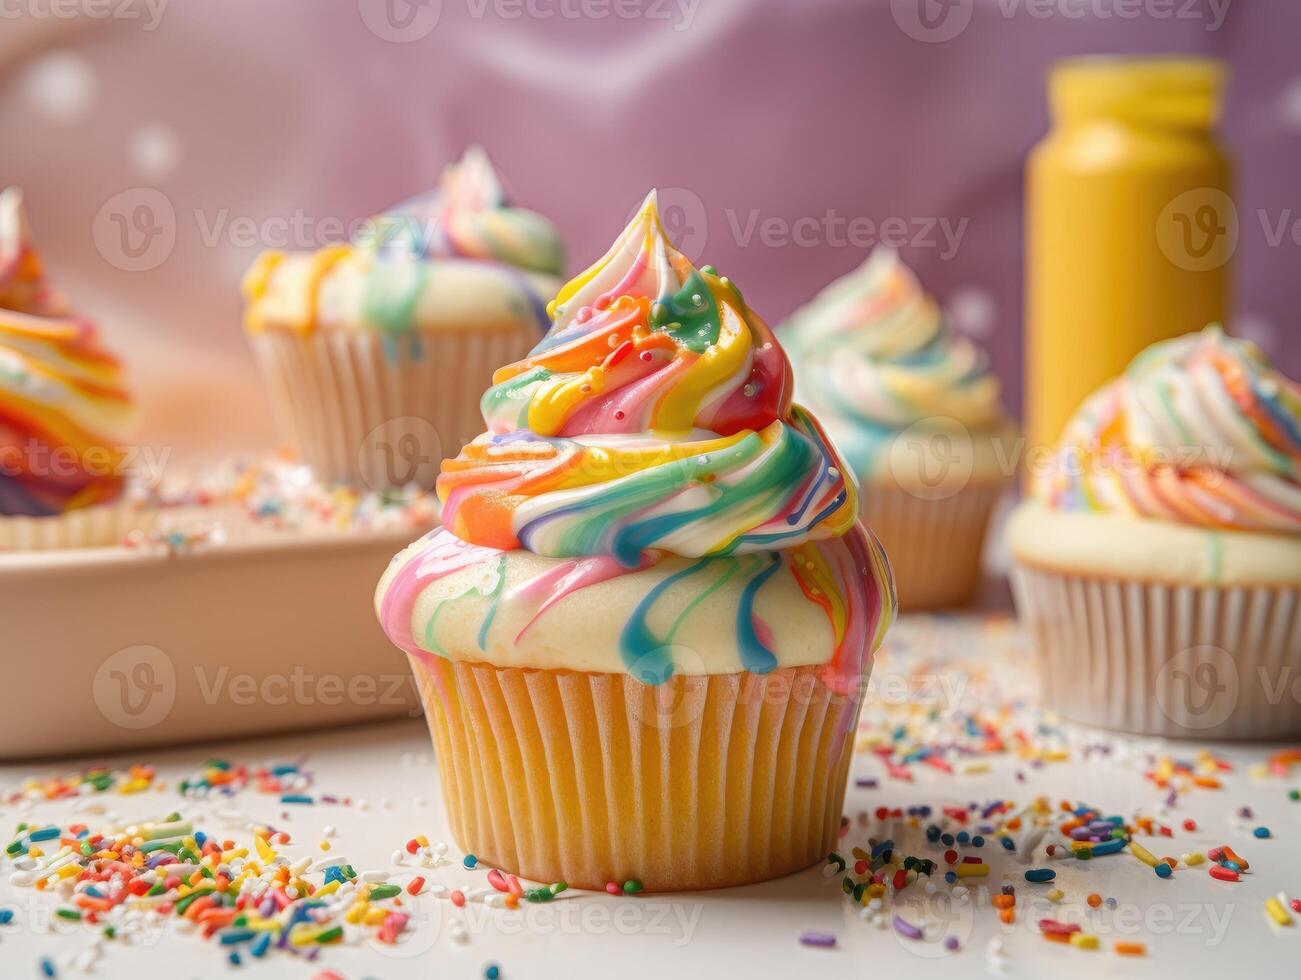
point(63, 406)
point(458, 257)
point(645, 466)
point(1199, 430)
point(874, 355)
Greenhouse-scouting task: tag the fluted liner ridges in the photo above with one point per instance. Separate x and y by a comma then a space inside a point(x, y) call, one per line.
point(934, 546)
point(99, 526)
point(1126, 654)
point(700, 782)
point(333, 389)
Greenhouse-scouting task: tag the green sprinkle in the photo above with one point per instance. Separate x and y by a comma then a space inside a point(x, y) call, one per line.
point(632, 886)
point(330, 935)
point(71, 914)
point(558, 887)
point(384, 891)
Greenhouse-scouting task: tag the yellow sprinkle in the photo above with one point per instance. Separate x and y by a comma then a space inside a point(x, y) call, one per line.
point(422, 840)
point(1277, 912)
point(375, 916)
point(975, 768)
point(1084, 940)
point(1055, 895)
point(329, 889)
point(324, 845)
point(35, 852)
point(304, 937)
point(861, 854)
point(264, 850)
point(355, 913)
point(972, 871)
point(1142, 853)
point(1192, 860)
point(134, 786)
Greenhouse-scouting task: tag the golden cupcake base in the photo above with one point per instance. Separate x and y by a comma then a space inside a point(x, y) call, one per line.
point(591, 778)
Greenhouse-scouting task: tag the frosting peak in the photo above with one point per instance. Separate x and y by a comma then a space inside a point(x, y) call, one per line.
point(468, 216)
point(876, 349)
point(654, 415)
point(1201, 429)
point(457, 257)
point(63, 407)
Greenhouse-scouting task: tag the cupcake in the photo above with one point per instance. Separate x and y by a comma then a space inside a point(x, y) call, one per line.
point(642, 632)
point(376, 352)
point(63, 411)
point(1158, 565)
point(916, 412)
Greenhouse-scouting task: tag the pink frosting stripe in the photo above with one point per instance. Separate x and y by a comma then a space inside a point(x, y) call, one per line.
point(566, 578)
point(445, 553)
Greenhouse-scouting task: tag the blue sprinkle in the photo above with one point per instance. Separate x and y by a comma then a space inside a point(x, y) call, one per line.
point(492, 972)
point(470, 861)
point(47, 966)
point(45, 833)
point(950, 876)
point(946, 840)
point(1261, 832)
point(977, 841)
point(6, 916)
point(964, 837)
point(1008, 843)
point(261, 943)
point(1040, 874)
point(296, 798)
point(1163, 870)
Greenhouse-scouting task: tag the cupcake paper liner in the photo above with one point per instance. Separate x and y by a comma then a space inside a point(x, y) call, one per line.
point(100, 526)
point(1182, 661)
point(588, 778)
point(357, 410)
point(934, 546)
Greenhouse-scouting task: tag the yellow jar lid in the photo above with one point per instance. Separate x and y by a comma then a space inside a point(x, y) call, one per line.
point(1179, 90)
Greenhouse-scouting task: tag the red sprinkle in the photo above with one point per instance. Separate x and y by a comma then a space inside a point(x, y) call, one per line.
point(1060, 928)
point(415, 885)
point(1190, 825)
point(613, 888)
point(458, 898)
point(498, 880)
point(1223, 874)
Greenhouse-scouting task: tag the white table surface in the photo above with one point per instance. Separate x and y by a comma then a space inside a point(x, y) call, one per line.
point(1192, 925)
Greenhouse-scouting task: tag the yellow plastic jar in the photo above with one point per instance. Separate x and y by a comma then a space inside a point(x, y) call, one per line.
point(1130, 224)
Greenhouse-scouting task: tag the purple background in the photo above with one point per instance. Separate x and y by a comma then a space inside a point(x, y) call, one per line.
point(777, 110)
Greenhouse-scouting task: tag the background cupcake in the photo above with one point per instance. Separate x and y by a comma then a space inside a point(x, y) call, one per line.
point(647, 618)
point(1158, 566)
point(63, 411)
point(915, 410)
point(376, 352)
